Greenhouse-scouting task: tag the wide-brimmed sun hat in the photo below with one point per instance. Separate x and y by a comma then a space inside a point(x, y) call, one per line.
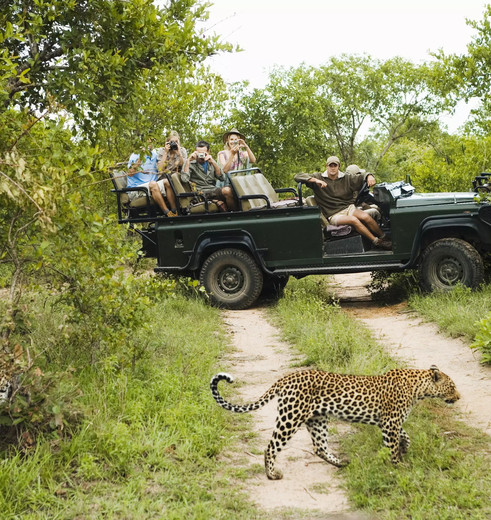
point(233, 131)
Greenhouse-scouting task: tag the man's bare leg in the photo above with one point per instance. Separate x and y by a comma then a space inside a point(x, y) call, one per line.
point(369, 222)
point(229, 198)
point(170, 195)
point(157, 197)
point(353, 221)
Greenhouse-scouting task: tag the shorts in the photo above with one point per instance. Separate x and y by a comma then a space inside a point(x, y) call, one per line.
point(214, 193)
point(135, 194)
point(346, 212)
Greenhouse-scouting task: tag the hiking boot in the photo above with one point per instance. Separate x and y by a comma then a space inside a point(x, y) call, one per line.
point(383, 243)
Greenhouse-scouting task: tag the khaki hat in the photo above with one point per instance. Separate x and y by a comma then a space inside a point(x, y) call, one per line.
point(333, 159)
point(233, 131)
point(353, 168)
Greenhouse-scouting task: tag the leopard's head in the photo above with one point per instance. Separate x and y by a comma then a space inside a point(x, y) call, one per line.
point(441, 386)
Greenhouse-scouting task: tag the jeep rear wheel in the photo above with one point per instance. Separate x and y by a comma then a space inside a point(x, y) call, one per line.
point(449, 262)
point(231, 278)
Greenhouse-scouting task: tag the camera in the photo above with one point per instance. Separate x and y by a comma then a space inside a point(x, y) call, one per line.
point(201, 155)
point(173, 145)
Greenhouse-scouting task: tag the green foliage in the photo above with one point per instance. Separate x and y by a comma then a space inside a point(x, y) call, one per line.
point(455, 312)
point(93, 56)
point(390, 286)
point(307, 113)
point(437, 161)
point(482, 341)
point(146, 439)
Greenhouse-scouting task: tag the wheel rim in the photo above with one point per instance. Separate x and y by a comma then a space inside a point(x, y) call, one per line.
point(450, 271)
point(230, 280)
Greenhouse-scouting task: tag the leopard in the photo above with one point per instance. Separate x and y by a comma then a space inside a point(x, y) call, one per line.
point(311, 397)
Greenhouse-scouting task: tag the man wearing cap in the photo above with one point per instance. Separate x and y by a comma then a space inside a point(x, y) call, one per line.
point(236, 155)
point(333, 192)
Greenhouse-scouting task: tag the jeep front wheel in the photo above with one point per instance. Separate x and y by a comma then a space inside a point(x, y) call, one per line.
point(448, 262)
point(231, 278)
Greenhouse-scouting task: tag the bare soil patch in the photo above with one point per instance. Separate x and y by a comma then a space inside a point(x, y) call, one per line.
point(310, 486)
point(421, 345)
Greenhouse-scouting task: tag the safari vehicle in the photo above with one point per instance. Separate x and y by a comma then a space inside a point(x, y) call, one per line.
point(239, 255)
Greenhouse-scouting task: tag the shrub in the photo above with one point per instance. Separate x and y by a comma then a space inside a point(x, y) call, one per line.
point(482, 341)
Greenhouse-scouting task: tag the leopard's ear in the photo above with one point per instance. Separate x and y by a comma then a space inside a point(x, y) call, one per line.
point(436, 373)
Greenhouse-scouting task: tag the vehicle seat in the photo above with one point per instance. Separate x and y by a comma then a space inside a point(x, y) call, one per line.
point(120, 180)
point(244, 186)
point(254, 191)
point(334, 231)
point(141, 207)
point(190, 201)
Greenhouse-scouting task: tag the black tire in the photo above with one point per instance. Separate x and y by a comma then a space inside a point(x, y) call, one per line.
point(273, 286)
point(449, 262)
point(231, 278)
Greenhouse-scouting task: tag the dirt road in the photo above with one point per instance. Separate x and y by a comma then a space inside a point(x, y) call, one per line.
point(309, 484)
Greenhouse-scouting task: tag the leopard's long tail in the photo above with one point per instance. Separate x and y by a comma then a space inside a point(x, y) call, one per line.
point(265, 398)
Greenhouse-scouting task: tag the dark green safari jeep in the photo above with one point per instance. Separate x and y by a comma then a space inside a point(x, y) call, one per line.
point(237, 256)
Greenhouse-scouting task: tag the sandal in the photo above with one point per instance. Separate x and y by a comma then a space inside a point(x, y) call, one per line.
point(171, 213)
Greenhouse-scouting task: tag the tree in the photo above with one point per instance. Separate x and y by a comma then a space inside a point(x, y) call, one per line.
point(307, 113)
point(467, 76)
point(93, 56)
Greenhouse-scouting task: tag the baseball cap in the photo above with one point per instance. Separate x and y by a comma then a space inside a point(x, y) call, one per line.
point(353, 168)
point(333, 159)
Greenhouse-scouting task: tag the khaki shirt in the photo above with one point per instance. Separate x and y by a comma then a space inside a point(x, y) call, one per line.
point(204, 180)
point(338, 194)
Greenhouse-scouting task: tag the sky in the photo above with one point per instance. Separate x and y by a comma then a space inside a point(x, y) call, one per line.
point(289, 32)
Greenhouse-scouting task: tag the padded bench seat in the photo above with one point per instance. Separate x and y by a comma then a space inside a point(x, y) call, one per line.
point(254, 191)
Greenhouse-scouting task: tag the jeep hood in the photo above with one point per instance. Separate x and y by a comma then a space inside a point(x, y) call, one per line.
point(433, 199)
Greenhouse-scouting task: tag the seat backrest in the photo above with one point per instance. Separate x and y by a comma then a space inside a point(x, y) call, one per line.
point(241, 187)
point(120, 180)
point(265, 187)
point(181, 187)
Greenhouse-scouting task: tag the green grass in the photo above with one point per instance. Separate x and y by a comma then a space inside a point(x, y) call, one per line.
point(147, 441)
point(455, 312)
point(445, 475)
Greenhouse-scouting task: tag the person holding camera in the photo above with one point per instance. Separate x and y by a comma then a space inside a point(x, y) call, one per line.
point(172, 154)
point(236, 155)
point(143, 172)
point(202, 170)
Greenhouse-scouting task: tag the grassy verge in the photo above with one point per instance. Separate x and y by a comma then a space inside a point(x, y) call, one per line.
point(147, 440)
point(456, 312)
point(446, 473)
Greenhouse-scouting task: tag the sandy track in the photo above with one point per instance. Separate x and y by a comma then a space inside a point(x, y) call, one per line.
point(309, 484)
